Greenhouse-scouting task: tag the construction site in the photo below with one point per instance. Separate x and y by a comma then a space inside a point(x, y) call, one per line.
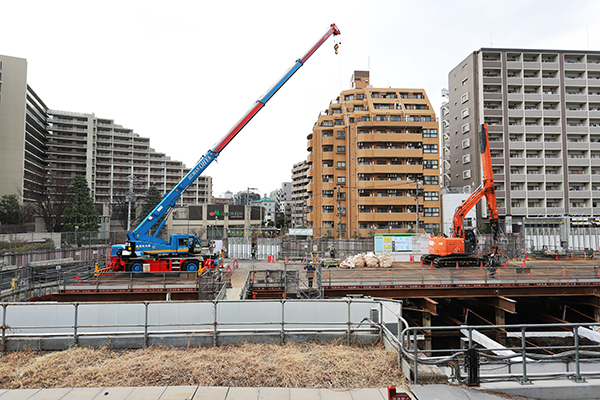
point(517, 314)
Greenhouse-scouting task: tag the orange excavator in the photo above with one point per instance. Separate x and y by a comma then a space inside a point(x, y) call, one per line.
point(461, 246)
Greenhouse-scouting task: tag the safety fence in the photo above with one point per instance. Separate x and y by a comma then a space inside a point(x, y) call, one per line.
point(475, 358)
point(29, 257)
point(57, 326)
point(23, 284)
point(377, 277)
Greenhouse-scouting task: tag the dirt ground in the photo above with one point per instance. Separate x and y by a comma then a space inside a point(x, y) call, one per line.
point(307, 365)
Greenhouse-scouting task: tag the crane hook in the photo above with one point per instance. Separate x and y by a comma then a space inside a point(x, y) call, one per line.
point(336, 47)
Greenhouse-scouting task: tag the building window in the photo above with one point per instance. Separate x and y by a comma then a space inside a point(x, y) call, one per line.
point(360, 97)
point(464, 81)
point(364, 119)
point(327, 149)
point(336, 110)
point(375, 95)
point(339, 122)
point(327, 134)
point(467, 174)
point(431, 211)
point(466, 143)
point(351, 120)
point(327, 123)
point(430, 133)
point(434, 196)
point(430, 148)
point(349, 97)
point(466, 159)
point(431, 180)
point(464, 113)
point(341, 149)
point(380, 118)
point(430, 164)
point(341, 164)
point(464, 98)
point(341, 179)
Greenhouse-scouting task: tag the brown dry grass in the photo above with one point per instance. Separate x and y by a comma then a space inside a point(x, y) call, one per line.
point(307, 365)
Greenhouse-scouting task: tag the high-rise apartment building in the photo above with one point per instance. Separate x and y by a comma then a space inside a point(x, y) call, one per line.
point(23, 142)
point(373, 162)
point(37, 142)
point(542, 108)
point(299, 193)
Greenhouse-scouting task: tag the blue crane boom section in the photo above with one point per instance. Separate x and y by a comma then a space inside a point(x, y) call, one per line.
point(142, 232)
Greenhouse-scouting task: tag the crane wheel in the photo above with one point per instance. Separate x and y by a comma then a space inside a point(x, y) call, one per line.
point(191, 265)
point(135, 266)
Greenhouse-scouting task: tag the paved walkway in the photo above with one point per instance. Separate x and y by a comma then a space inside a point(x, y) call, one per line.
point(191, 393)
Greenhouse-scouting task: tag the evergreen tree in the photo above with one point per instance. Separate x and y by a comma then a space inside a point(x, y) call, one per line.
point(10, 210)
point(151, 200)
point(80, 211)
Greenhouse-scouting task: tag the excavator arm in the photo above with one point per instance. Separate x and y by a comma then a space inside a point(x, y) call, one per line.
point(486, 188)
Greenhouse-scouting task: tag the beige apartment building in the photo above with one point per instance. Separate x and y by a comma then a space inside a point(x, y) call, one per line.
point(374, 163)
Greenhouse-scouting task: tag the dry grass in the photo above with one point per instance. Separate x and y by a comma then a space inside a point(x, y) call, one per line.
point(308, 365)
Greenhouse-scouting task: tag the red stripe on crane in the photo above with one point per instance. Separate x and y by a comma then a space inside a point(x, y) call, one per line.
point(239, 127)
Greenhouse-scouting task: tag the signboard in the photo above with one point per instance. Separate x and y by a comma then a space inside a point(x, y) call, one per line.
point(393, 243)
point(301, 232)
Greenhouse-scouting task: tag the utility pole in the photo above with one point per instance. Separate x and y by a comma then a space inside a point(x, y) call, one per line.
point(339, 210)
point(418, 192)
point(130, 197)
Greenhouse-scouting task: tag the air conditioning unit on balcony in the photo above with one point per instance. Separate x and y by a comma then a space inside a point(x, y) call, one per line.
point(361, 190)
point(388, 144)
point(361, 175)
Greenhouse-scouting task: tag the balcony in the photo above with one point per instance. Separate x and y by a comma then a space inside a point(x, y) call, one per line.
point(385, 217)
point(386, 201)
point(390, 153)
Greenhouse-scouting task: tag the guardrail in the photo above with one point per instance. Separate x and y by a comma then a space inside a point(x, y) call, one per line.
point(57, 326)
point(331, 278)
point(523, 363)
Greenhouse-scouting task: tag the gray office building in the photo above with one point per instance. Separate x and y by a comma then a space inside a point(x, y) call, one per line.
point(542, 108)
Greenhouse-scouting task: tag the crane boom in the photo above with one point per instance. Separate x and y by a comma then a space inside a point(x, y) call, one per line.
point(141, 232)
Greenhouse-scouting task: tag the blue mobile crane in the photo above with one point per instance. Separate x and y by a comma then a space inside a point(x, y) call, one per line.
point(146, 252)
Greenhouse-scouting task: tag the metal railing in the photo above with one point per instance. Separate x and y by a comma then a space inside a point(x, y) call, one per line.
point(524, 362)
point(142, 324)
point(453, 276)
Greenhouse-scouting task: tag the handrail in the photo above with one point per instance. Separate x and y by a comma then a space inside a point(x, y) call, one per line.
point(523, 356)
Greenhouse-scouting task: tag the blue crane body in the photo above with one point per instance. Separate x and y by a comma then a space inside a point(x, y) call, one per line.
point(144, 251)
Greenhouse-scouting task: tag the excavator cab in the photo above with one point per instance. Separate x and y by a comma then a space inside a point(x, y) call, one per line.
point(470, 241)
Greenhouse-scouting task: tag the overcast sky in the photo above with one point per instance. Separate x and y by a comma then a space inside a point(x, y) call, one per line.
point(183, 72)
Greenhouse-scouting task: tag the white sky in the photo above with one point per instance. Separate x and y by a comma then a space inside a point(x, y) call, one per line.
point(183, 72)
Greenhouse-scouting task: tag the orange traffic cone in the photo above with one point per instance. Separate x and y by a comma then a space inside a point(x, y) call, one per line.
point(457, 265)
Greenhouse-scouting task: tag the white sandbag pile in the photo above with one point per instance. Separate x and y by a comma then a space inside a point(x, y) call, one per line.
point(359, 261)
point(385, 260)
point(369, 260)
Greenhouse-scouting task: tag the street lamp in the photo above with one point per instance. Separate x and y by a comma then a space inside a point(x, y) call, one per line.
point(247, 219)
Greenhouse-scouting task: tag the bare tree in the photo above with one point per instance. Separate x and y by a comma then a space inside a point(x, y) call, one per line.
point(50, 200)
